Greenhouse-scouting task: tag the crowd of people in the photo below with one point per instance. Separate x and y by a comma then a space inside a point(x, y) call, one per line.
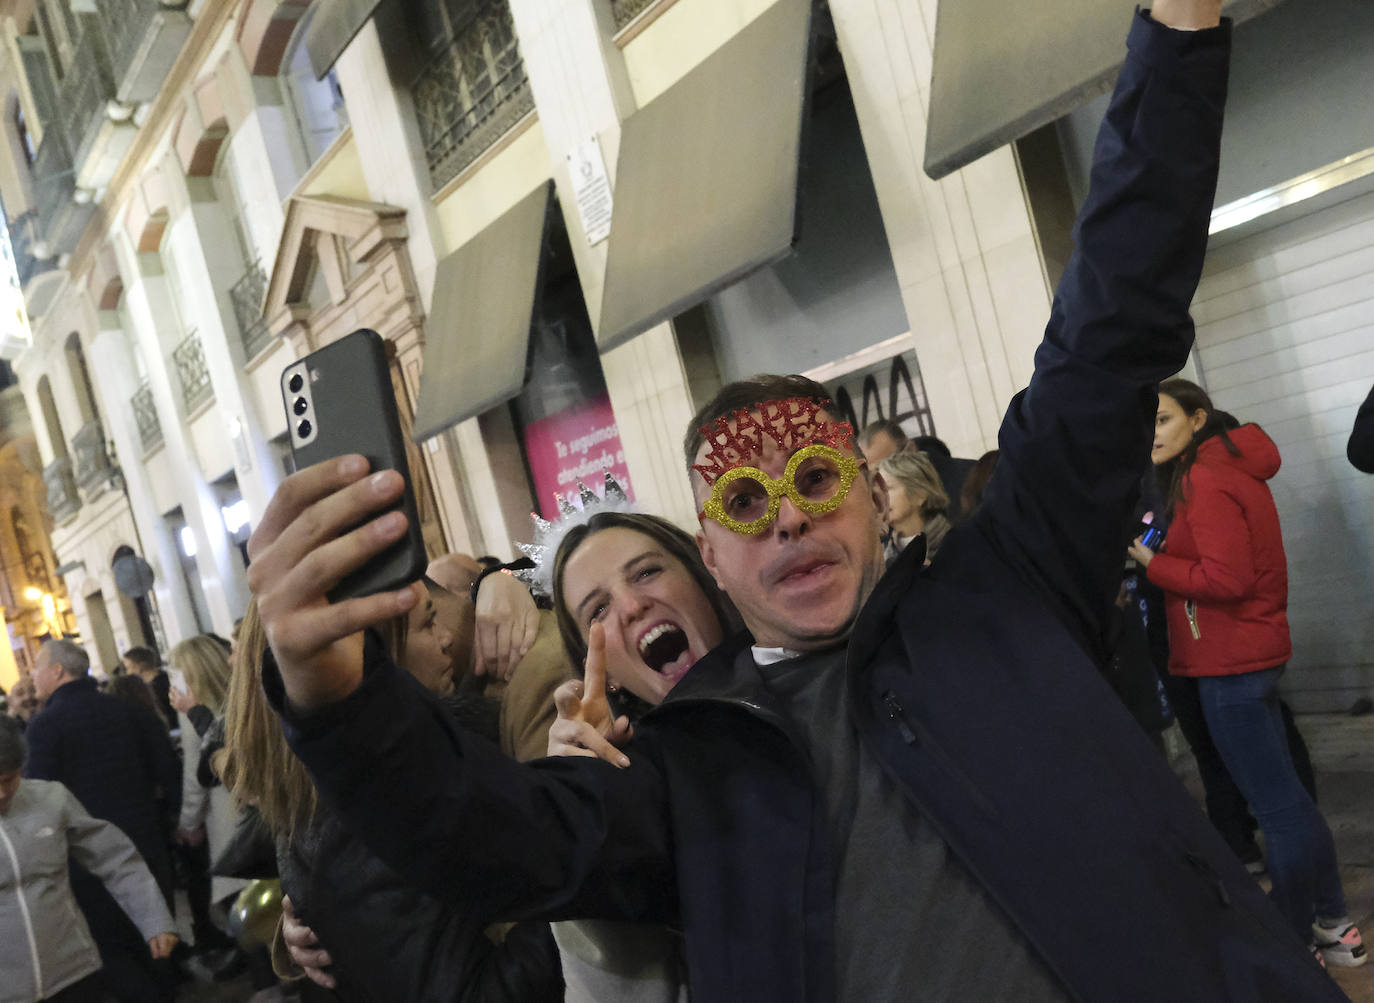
point(885, 716)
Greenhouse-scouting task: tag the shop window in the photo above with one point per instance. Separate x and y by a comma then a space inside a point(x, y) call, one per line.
point(563, 416)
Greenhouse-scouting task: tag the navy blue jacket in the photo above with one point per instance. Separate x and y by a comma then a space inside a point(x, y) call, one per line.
point(118, 762)
point(974, 684)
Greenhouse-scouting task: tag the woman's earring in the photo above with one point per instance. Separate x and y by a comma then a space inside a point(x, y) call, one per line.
point(611, 687)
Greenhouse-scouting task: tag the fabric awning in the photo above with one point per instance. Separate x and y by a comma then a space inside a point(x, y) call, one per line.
point(477, 335)
point(707, 176)
point(332, 25)
point(1002, 70)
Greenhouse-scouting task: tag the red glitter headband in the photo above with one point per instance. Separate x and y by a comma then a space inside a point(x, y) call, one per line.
point(791, 423)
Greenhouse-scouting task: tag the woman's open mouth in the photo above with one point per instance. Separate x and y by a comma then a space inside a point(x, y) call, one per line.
point(665, 649)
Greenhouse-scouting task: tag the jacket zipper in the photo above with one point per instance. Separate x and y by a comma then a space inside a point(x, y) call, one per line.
point(894, 711)
point(24, 911)
point(1190, 609)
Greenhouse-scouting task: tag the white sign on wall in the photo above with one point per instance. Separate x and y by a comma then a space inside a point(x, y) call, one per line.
point(592, 189)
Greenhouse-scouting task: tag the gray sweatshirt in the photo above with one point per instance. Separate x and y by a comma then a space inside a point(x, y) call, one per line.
point(45, 944)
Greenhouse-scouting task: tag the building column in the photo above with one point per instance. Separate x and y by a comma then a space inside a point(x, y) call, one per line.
point(110, 356)
point(150, 305)
point(203, 244)
point(964, 247)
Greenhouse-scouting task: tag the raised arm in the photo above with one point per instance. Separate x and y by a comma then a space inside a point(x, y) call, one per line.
point(1076, 441)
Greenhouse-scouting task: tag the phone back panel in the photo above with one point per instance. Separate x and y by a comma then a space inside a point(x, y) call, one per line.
point(354, 411)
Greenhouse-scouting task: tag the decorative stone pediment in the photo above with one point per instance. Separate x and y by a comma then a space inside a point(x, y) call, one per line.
point(341, 264)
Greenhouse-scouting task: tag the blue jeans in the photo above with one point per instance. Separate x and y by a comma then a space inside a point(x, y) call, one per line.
point(1243, 715)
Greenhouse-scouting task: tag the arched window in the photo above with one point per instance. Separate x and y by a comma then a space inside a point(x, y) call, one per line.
point(81, 379)
point(51, 421)
point(316, 105)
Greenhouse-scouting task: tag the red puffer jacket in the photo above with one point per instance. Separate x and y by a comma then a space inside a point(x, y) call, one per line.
point(1224, 573)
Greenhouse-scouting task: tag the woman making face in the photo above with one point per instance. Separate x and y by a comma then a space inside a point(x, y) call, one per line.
point(640, 578)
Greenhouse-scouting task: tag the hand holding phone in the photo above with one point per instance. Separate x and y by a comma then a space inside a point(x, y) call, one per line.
point(338, 548)
point(339, 400)
point(321, 526)
point(1150, 535)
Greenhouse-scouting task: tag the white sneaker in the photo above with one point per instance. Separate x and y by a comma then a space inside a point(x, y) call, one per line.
point(1340, 943)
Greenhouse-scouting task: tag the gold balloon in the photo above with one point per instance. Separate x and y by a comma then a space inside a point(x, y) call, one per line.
point(253, 917)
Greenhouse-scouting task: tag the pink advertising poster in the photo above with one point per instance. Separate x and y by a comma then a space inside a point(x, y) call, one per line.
point(577, 443)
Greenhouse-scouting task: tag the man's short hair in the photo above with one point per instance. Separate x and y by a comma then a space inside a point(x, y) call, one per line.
point(746, 395)
point(931, 445)
point(72, 657)
point(889, 428)
point(146, 657)
point(13, 749)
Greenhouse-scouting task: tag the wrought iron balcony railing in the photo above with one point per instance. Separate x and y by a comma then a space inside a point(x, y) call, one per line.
point(86, 91)
point(626, 11)
point(145, 414)
point(246, 294)
point(94, 471)
point(472, 92)
point(189, 358)
point(63, 501)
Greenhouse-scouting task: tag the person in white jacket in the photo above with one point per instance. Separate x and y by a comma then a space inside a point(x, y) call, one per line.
point(46, 950)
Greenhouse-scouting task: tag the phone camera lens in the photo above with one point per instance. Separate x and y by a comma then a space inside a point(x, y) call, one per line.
point(295, 383)
point(303, 429)
point(300, 406)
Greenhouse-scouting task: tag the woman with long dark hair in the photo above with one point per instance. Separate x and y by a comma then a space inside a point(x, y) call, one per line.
point(1225, 579)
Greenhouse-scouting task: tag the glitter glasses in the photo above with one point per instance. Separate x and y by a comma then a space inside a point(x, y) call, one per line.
point(745, 500)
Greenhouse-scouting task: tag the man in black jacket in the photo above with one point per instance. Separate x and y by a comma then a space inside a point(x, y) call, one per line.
point(121, 766)
point(910, 784)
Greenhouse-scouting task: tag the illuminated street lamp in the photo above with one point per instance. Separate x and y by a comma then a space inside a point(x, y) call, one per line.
point(49, 607)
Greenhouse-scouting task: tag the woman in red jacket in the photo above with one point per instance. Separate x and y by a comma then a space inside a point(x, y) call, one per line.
point(1225, 579)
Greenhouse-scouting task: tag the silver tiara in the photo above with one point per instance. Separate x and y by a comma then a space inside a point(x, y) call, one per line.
point(549, 535)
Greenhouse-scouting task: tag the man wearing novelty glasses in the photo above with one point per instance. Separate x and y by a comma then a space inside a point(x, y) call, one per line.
point(911, 785)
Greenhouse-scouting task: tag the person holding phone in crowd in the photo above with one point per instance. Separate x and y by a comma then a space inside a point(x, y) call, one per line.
point(931, 760)
point(1225, 579)
point(636, 609)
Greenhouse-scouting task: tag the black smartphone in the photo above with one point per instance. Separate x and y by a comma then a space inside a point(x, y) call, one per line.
point(340, 400)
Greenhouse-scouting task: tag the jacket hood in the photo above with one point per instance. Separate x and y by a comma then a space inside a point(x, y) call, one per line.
point(1259, 457)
